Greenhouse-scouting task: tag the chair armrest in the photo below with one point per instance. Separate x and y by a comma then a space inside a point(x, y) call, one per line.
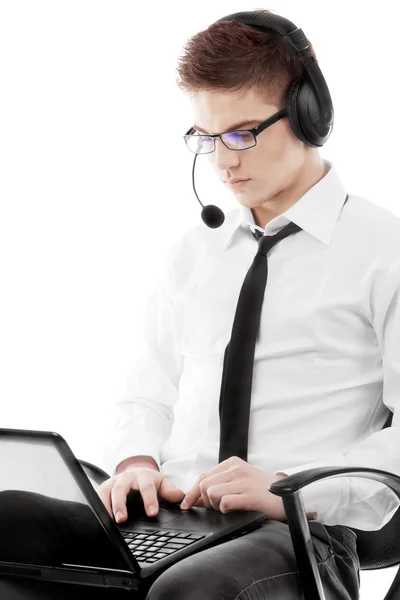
point(292, 483)
point(289, 489)
point(93, 472)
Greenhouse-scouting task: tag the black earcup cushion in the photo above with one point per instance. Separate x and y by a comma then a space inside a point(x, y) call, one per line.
point(291, 106)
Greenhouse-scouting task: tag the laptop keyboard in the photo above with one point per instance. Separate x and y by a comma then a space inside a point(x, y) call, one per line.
point(150, 547)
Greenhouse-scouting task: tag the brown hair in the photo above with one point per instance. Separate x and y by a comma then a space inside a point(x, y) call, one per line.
point(231, 57)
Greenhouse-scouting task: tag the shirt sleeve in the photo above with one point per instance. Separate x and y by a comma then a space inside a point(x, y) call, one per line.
point(354, 501)
point(142, 417)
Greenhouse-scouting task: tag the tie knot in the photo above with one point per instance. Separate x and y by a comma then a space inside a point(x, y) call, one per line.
point(266, 242)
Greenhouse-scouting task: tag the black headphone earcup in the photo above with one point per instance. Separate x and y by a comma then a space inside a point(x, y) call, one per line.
point(304, 114)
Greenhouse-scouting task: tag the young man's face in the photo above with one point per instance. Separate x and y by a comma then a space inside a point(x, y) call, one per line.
point(272, 165)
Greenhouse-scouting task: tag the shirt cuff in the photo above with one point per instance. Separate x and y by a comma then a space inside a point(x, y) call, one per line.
point(129, 451)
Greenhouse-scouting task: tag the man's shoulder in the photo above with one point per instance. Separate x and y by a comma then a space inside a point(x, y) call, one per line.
point(375, 232)
point(200, 236)
point(373, 220)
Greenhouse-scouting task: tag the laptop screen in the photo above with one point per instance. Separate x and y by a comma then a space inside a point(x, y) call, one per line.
point(45, 519)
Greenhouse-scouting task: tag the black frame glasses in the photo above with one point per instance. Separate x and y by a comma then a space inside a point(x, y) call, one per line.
point(255, 131)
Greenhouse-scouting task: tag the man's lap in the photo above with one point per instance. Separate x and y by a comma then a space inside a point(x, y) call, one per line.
point(258, 565)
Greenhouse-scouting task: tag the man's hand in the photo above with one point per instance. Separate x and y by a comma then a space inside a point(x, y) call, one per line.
point(235, 485)
point(148, 481)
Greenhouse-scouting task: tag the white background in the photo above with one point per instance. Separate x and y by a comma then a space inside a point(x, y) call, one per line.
point(91, 198)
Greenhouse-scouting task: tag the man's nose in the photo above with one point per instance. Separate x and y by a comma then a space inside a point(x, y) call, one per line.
point(224, 158)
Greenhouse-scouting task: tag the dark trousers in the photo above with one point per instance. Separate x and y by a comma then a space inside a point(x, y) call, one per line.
point(260, 565)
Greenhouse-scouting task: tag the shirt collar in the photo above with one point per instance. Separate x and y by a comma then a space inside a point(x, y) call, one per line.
point(316, 212)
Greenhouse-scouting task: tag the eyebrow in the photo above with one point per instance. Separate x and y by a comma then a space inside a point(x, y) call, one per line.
point(232, 127)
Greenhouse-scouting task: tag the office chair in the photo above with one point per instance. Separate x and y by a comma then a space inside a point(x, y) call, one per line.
point(376, 549)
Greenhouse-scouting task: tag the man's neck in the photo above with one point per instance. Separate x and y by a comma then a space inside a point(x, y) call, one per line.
point(310, 174)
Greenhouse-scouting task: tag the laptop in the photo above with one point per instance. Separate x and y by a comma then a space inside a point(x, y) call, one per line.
point(45, 491)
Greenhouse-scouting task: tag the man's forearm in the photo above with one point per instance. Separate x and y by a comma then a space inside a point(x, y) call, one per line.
point(137, 461)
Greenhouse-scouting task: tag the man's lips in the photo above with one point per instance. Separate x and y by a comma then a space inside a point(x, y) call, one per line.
point(235, 180)
point(236, 183)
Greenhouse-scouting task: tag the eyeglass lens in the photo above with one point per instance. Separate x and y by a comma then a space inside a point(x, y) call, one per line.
point(235, 140)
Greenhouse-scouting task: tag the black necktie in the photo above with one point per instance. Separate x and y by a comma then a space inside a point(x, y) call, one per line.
point(237, 374)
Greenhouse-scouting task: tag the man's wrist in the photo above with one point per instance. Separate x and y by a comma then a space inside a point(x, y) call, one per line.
point(137, 461)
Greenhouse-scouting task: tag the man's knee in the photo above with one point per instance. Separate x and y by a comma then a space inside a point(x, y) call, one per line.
point(192, 578)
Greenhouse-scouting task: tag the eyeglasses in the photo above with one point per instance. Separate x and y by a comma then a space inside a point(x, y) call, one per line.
point(241, 139)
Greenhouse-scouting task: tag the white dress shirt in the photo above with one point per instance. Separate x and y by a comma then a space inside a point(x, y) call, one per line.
point(327, 358)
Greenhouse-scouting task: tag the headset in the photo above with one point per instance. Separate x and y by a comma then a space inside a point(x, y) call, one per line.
point(308, 101)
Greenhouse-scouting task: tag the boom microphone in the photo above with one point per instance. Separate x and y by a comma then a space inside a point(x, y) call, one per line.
point(212, 215)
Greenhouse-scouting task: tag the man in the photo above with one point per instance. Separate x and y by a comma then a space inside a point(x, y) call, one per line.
point(330, 311)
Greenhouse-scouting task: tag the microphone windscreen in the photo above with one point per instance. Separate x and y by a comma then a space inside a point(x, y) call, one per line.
point(212, 216)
